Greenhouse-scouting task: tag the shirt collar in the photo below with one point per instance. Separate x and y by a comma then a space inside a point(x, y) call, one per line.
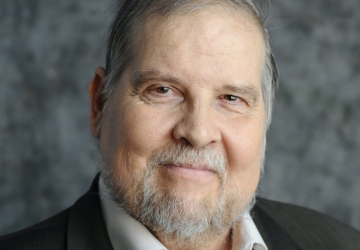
point(125, 232)
point(246, 236)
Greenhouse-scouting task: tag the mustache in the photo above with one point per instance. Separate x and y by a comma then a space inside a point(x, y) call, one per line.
point(181, 154)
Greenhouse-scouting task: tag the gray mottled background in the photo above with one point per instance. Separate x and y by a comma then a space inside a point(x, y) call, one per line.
point(48, 52)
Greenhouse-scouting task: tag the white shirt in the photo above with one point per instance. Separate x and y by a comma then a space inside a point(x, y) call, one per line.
point(126, 233)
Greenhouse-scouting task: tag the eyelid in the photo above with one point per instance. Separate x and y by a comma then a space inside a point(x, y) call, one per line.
point(158, 86)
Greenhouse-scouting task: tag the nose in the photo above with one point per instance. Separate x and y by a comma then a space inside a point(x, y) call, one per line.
point(197, 127)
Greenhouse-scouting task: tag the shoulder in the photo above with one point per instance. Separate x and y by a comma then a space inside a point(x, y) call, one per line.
point(49, 234)
point(310, 229)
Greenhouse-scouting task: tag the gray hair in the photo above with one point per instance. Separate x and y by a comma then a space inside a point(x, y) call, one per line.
point(133, 12)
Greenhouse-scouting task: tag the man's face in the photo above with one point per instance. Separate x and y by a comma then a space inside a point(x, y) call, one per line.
point(195, 84)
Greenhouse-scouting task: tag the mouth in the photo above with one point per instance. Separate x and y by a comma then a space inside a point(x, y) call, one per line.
point(199, 173)
point(189, 166)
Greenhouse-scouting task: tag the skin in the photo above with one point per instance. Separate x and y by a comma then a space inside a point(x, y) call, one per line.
point(195, 80)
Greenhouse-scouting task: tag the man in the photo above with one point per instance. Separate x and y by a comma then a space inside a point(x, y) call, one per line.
point(180, 113)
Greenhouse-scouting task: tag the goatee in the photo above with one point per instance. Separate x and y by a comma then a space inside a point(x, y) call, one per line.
point(187, 222)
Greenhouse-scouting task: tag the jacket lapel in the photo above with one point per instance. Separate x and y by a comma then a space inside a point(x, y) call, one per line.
point(275, 237)
point(86, 227)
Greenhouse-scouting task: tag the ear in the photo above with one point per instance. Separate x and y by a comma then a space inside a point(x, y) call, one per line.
point(96, 100)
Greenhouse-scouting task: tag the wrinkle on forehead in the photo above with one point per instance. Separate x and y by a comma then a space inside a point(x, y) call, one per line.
point(222, 24)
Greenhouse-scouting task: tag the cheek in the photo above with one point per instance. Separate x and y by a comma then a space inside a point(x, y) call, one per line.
point(244, 152)
point(132, 133)
point(244, 144)
point(145, 130)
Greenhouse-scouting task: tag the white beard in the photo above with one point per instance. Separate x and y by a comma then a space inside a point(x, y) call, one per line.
point(189, 222)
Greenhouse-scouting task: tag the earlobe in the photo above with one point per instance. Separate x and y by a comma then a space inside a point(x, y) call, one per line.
point(96, 100)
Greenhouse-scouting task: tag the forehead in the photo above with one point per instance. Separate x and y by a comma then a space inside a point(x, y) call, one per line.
point(206, 40)
point(218, 14)
point(210, 25)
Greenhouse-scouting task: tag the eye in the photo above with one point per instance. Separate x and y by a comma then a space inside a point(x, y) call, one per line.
point(232, 98)
point(162, 94)
point(162, 90)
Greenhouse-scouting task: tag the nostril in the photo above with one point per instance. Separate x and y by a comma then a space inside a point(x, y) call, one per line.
point(184, 141)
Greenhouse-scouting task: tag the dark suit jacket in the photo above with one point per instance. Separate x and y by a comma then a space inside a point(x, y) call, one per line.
point(282, 226)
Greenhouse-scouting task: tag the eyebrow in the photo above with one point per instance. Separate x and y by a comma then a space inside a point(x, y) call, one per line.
point(140, 77)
